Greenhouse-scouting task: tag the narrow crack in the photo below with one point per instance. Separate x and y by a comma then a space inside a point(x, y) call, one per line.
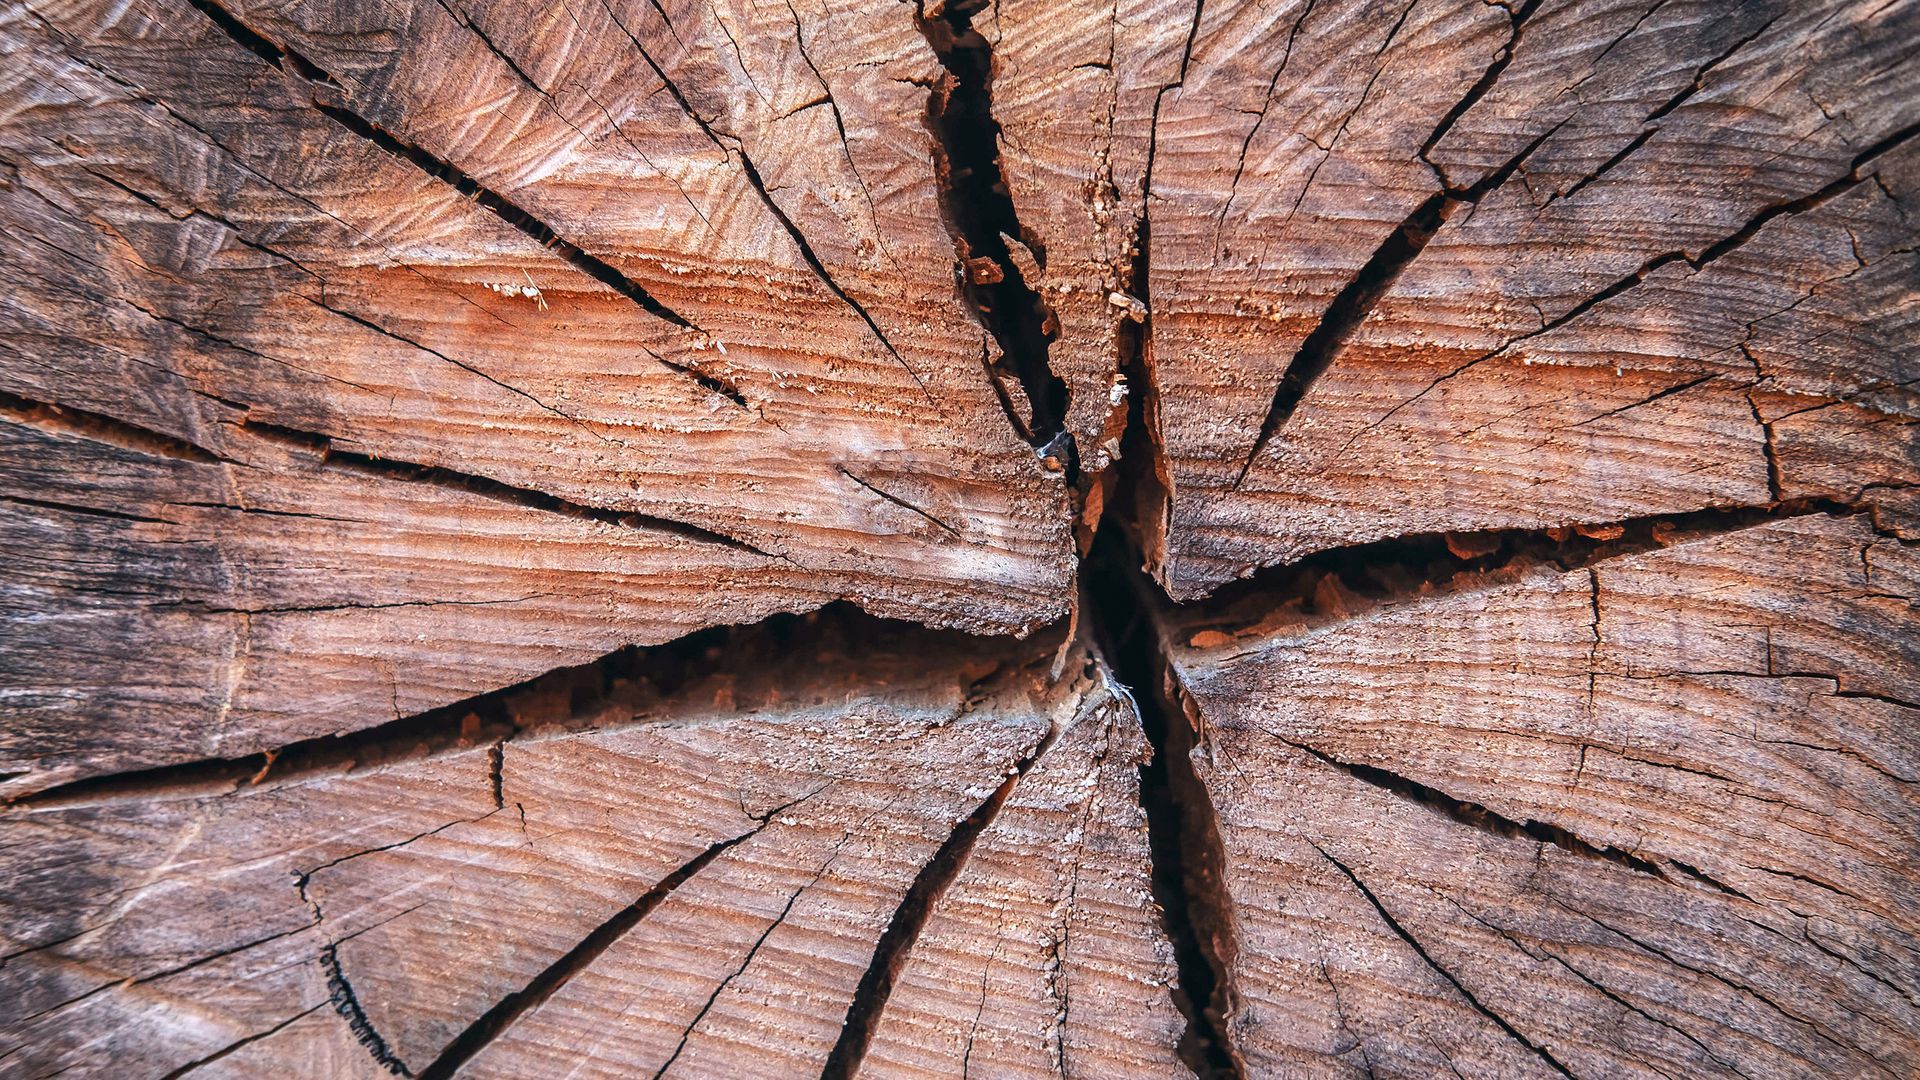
point(890, 953)
point(1517, 21)
point(733, 149)
point(368, 324)
point(108, 430)
point(1355, 301)
point(995, 251)
point(507, 210)
point(491, 1024)
point(900, 502)
point(1474, 815)
point(240, 1044)
point(78, 508)
point(487, 487)
point(1419, 950)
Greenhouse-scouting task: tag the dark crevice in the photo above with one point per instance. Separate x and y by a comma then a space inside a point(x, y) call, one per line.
point(1707, 879)
point(1343, 582)
point(486, 487)
point(903, 929)
point(1349, 307)
point(100, 428)
point(1118, 601)
point(609, 690)
point(340, 993)
point(496, 1020)
point(497, 772)
point(1476, 816)
point(293, 63)
point(980, 215)
point(1183, 834)
point(626, 686)
point(1146, 503)
point(1776, 483)
point(280, 56)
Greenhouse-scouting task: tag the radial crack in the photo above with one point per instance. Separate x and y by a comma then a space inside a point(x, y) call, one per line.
point(491, 1024)
point(1474, 815)
point(1707, 255)
point(558, 699)
point(1419, 950)
point(502, 207)
point(1340, 583)
point(240, 1044)
point(910, 917)
point(735, 150)
point(1354, 302)
point(1183, 831)
point(983, 222)
point(100, 428)
point(487, 487)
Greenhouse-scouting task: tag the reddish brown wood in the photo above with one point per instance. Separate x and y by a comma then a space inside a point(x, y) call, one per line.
point(1032, 539)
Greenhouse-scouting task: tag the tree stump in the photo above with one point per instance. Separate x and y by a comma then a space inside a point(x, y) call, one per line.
point(1206, 539)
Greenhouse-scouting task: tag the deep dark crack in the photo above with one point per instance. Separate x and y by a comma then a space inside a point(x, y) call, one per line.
point(981, 216)
point(1183, 833)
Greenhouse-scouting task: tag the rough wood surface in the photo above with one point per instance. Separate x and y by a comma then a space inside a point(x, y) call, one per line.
point(1525, 268)
point(1032, 539)
point(657, 879)
point(1654, 812)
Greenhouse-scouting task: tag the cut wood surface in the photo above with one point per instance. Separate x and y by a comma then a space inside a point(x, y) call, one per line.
point(1651, 812)
point(1228, 539)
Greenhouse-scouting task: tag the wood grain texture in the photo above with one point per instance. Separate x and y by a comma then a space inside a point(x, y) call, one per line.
point(231, 288)
point(669, 538)
point(766, 820)
point(1567, 344)
point(1648, 816)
